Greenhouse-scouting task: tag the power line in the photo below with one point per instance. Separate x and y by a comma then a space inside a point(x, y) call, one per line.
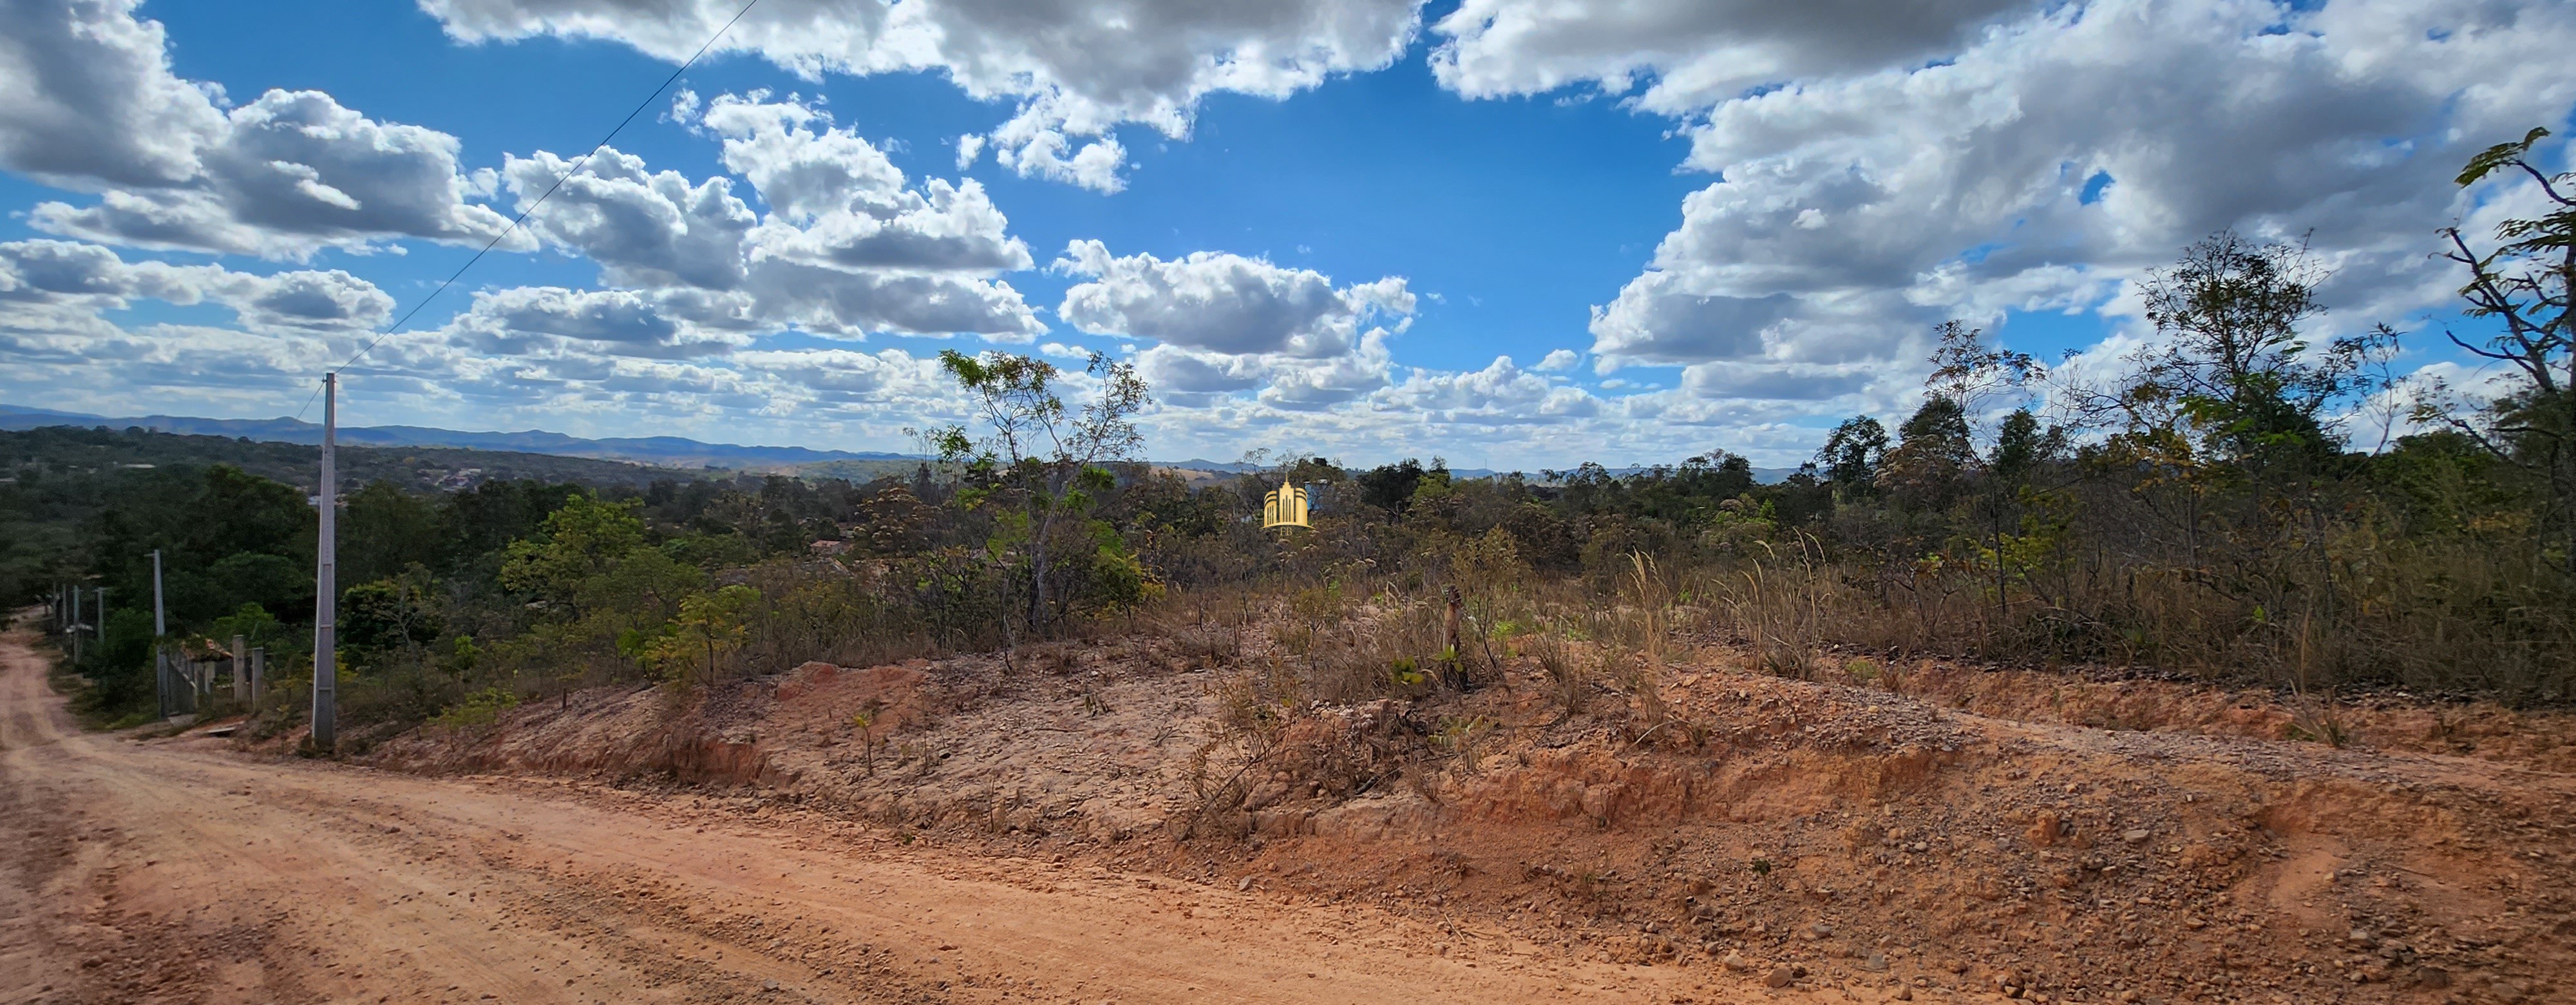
point(522, 218)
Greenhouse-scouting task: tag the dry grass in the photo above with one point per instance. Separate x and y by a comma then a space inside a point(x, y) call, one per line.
point(2433, 618)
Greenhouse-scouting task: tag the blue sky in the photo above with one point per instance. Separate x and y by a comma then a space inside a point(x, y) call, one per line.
point(1515, 234)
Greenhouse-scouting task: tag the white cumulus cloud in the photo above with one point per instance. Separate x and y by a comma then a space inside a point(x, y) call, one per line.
point(1880, 171)
point(849, 246)
point(1076, 69)
point(88, 102)
point(1222, 302)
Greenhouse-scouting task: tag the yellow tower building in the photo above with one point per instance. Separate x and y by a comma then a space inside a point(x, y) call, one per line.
point(1284, 507)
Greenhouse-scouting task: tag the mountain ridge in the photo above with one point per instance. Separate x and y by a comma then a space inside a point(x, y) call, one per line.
point(662, 451)
point(657, 451)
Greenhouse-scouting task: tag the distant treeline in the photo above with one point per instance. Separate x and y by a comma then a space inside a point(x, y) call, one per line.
point(80, 450)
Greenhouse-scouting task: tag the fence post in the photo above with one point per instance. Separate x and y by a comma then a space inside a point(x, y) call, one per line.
point(241, 672)
point(258, 675)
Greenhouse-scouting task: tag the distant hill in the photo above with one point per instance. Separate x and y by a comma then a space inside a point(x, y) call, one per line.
point(1764, 476)
point(75, 451)
point(657, 451)
point(665, 451)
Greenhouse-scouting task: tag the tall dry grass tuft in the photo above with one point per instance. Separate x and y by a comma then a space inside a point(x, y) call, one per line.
point(1647, 610)
point(1777, 605)
point(1566, 680)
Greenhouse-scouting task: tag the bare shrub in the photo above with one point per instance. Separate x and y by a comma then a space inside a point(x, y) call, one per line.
point(1566, 679)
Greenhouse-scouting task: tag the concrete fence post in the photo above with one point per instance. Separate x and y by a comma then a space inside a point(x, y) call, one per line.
point(241, 672)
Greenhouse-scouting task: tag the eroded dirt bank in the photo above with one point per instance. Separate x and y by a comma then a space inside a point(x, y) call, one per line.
point(1843, 840)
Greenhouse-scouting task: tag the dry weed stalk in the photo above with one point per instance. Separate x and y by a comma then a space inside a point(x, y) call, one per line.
point(1780, 610)
point(1649, 607)
point(2311, 718)
point(1461, 737)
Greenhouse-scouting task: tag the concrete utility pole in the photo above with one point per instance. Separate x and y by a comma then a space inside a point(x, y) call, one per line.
point(102, 615)
point(325, 585)
point(258, 675)
point(160, 627)
point(76, 624)
point(241, 672)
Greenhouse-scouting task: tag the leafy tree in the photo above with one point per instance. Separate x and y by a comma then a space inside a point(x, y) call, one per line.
point(1968, 372)
point(483, 520)
point(237, 512)
point(581, 540)
point(384, 530)
point(2020, 444)
point(1933, 452)
point(2221, 430)
point(2232, 377)
point(1851, 454)
point(120, 672)
point(1390, 487)
point(226, 538)
point(1436, 484)
point(276, 582)
point(2524, 284)
point(1038, 461)
point(389, 615)
point(642, 585)
point(252, 622)
point(709, 627)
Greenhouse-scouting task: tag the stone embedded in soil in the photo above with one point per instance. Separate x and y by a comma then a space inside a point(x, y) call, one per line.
point(2044, 829)
point(2136, 836)
point(1779, 977)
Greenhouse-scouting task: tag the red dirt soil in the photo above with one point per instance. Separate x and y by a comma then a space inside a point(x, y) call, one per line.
point(1967, 836)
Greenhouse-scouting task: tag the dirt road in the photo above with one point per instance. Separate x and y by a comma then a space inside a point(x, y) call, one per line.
point(176, 871)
